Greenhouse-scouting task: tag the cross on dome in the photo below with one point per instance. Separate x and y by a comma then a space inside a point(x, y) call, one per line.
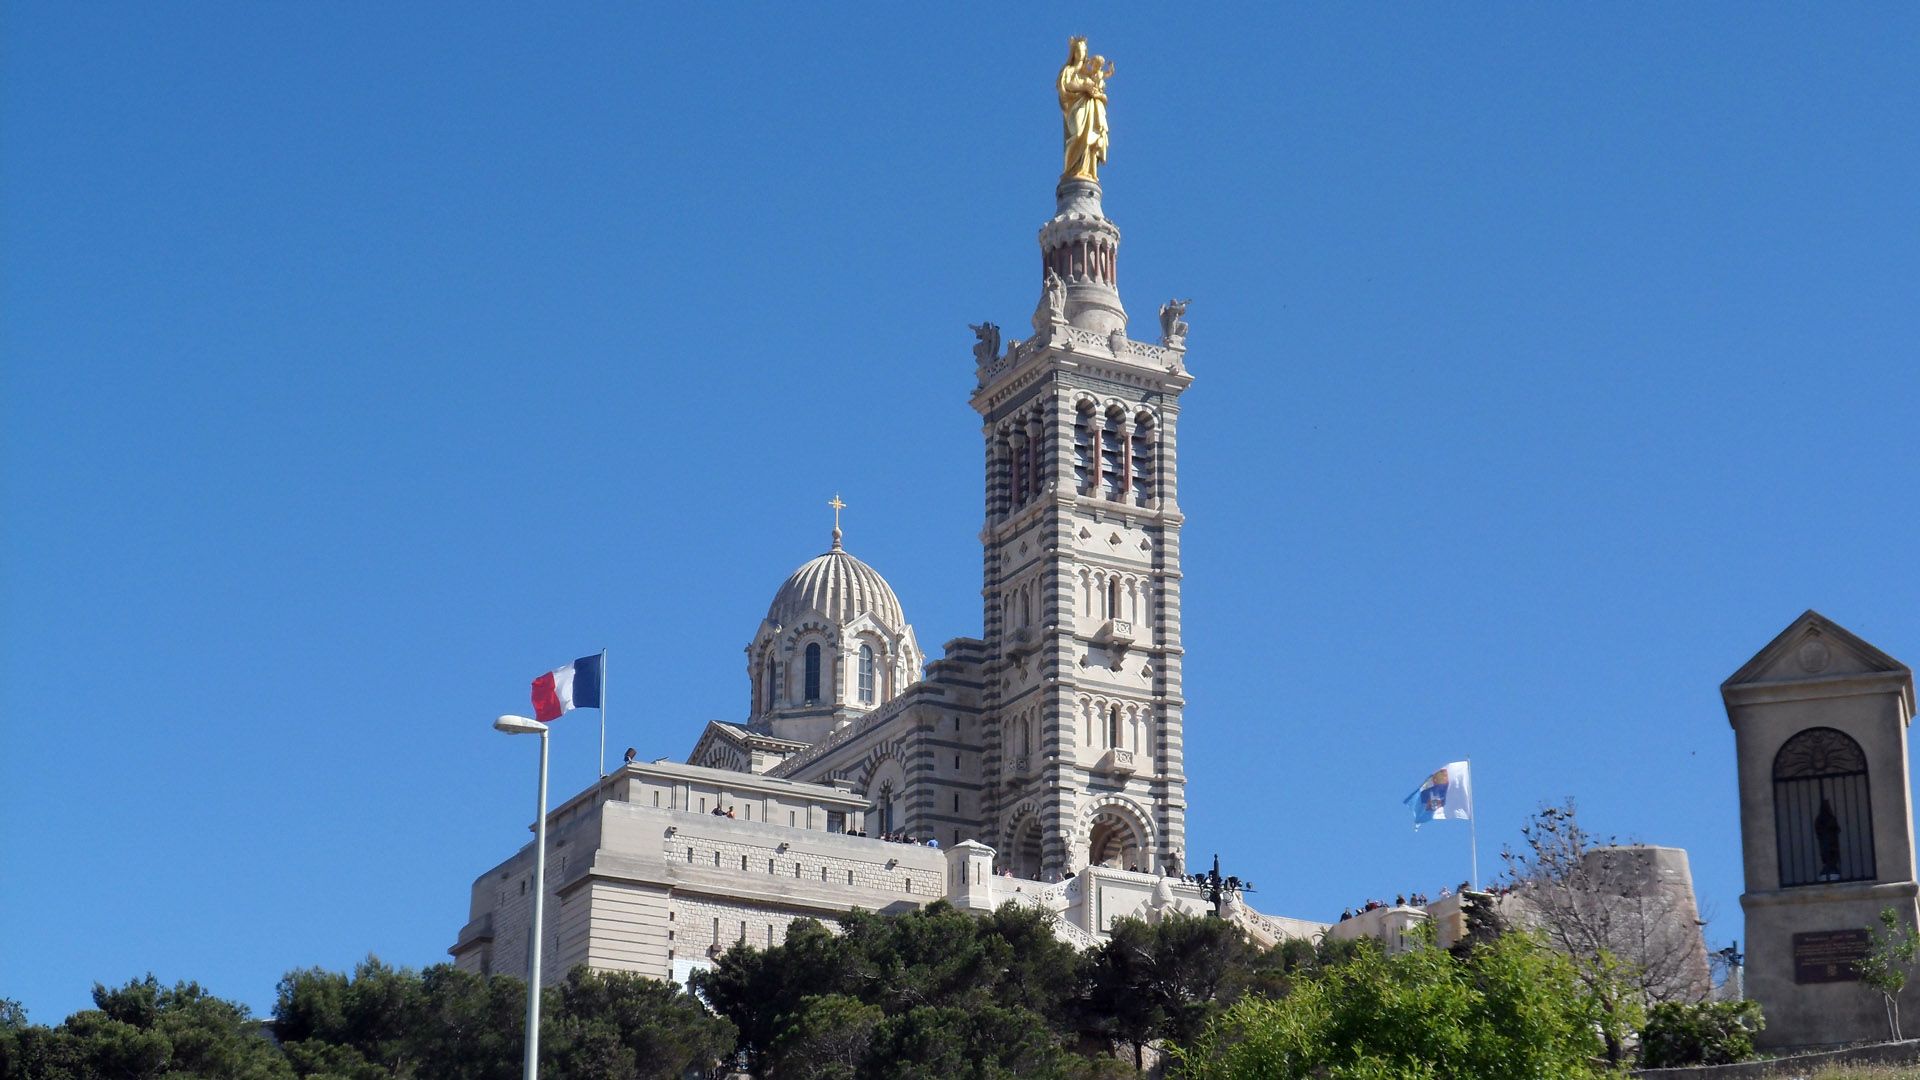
point(837, 507)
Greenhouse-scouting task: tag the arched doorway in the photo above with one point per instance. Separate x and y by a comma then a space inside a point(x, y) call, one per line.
point(1024, 856)
point(1115, 841)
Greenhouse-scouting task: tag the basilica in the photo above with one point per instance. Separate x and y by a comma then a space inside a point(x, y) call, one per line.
point(1041, 761)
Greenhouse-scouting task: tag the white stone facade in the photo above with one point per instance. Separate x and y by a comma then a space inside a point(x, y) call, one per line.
point(640, 879)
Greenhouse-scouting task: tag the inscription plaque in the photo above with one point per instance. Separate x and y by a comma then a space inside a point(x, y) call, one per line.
point(1825, 956)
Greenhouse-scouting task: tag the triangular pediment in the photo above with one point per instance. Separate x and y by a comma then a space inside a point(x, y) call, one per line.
point(1813, 647)
point(707, 750)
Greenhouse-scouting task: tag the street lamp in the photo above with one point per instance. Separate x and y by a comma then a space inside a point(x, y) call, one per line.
point(520, 725)
point(1216, 888)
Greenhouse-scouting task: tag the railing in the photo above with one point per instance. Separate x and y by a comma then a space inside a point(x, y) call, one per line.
point(1072, 933)
point(1157, 354)
point(1262, 929)
point(1078, 336)
point(1018, 351)
point(1056, 899)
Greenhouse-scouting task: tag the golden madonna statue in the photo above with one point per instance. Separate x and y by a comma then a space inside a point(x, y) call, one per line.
point(1083, 110)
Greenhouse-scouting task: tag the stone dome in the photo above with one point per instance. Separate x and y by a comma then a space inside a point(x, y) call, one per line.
point(840, 587)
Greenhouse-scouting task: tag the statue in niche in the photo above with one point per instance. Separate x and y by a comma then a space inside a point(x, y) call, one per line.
point(1053, 303)
point(1826, 835)
point(987, 348)
point(1082, 83)
point(1173, 322)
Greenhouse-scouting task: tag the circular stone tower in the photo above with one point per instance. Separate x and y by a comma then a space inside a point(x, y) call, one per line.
point(1082, 247)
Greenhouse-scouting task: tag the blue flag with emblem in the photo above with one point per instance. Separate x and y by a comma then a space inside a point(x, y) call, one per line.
point(1448, 793)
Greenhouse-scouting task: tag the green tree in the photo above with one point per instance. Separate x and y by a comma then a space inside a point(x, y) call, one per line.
point(829, 1038)
point(1114, 1003)
point(984, 1042)
point(384, 1023)
point(1512, 1008)
point(14, 1030)
point(758, 989)
point(1164, 980)
point(1889, 960)
point(1034, 968)
point(611, 1025)
point(1274, 970)
point(471, 1027)
point(930, 990)
point(369, 1025)
point(1699, 1033)
point(1483, 921)
point(143, 1031)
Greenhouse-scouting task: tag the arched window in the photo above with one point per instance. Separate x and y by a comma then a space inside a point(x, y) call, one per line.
point(1083, 456)
point(1017, 471)
point(813, 673)
point(773, 693)
point(1113, 461)
point(1113, 598)
point(866, 675)
point(1113, 725)
point(1036, 457)
point(1142, 463)
point(1823, 821)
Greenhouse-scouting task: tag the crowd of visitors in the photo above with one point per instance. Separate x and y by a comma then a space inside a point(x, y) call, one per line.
point(1420, 899)
point(1417, 899)
point(903, 838)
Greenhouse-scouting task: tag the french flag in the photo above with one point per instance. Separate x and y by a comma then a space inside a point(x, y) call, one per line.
point(562, 690)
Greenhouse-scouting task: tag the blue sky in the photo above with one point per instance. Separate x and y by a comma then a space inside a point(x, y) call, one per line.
point(357, 365)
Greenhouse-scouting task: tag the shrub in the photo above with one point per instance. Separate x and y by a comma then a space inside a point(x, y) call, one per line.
point(1703, 1033)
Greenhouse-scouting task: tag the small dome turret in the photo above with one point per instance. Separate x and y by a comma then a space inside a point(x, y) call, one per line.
point(840, 587)
point(835, 644)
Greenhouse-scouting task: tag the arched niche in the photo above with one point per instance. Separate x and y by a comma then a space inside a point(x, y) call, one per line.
point(1822, 810)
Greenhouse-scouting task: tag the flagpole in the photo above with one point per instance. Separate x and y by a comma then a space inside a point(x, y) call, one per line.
point(1473, 827)
point(603, 713)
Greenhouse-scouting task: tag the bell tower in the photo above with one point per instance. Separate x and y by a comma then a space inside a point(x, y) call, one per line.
point(1081, 563)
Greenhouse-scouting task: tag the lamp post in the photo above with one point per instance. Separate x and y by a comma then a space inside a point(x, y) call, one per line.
point(520, 725)
point(1216, 888)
